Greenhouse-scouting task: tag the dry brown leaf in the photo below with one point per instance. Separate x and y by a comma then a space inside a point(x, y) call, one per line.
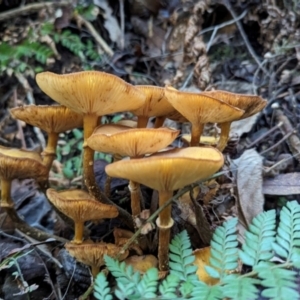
point(243, 126)
point(201, 260)
point(249, 186)
point(282, 184)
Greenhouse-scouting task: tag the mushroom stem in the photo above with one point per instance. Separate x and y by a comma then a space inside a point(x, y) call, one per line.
point(159, 122)
point(78, 234)
point(196, 134)
point(225, 129)
point(135, 190)
point(142, 122)
point(6, 200)
point(49, 152)
point(107, 186)
point(95, 270)
point(35, 233)
point(164, 223)
point(90, 122)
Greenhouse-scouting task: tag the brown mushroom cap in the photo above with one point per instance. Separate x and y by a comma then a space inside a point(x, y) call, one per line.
point(156, 103)
point(50, 118)
point(130, 142)
point(142, 263)
point(91, 92)
point(251, 104)
point(21, 164)
point(92, 254)
point(169, 170)
point(199, 108)
point(80, 206)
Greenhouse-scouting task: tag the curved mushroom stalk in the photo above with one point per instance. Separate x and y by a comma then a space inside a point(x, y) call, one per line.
point(224, 136)
point(49, 153)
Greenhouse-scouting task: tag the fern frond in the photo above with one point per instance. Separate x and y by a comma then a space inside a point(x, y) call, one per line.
point(181, 257)
point(224, 254)
point(147, 287)
point(121, 271)
point(287, 243)
point(259, 239)
point(206, 292)
point(242, 288)
point(101, 289)
point(279, 283)
point(169, 286)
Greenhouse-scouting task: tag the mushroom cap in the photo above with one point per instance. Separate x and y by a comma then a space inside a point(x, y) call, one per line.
point(21, 164)
point(50, 118)
point(142, 263)
point(80, 206)
point(251, 104)
point(128, 141)
point(200, 109)
point(91, 92)
point(169, 170)
point(156, 104)
point(92, 254)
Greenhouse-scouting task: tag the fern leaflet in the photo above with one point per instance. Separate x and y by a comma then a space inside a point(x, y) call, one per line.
point(101, 289)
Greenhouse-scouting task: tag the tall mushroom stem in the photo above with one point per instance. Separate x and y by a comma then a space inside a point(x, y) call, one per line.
point(6, 200)
point(78, 232)
point(49, 152)
point(142, 122)
point(164, 223)
point(90, 122)
point(135, 190)
point(196, 134)
point(159, 122)
point(225, 129)
point(95, 270)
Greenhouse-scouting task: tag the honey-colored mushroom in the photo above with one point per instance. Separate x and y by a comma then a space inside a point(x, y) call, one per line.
point(80, 207)
point(166, 172)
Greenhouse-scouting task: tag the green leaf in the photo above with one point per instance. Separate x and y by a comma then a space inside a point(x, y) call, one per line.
point(101, 289)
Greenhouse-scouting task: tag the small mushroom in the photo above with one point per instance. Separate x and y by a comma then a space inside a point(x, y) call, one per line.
point(166, 172)
point(92, 254)
point(200, 109)
point(156, 105)
point(18, 164)
point(52, 119)
point(251, 105)
point(142, 263)
point(91, 94)
point(80, 207)
point(132, 142)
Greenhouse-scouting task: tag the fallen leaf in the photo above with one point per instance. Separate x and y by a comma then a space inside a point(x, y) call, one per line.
point(243, 126)
point(249, 185)
point(282, 184)
point(201, 260)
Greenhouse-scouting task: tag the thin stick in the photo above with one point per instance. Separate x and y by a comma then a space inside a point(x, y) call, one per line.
point(122, 23)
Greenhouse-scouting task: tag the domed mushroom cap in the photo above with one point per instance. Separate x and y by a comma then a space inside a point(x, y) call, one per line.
point(21, 164)
point(91, 92)
point(169, 170)
point(142, 263)
point(126, 141)
point(92, 254)
point(156, 103)
point(80, 206)
point(200, 109)
point(50, 118)
point(251, 104)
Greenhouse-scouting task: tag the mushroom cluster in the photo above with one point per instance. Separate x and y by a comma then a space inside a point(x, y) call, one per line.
point(85, 97)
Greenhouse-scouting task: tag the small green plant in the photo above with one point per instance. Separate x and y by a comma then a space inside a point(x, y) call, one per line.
point(263, 243)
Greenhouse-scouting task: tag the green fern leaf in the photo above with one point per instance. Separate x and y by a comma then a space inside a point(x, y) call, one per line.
point(279, 283)
point(224, 255)
point(205, 292)
point(147, 287)
point(168, 287)
point(287, 243)
point(181, 257)
point(241, 288)
point(125, 291)
point(101, 289)
point(259, 239)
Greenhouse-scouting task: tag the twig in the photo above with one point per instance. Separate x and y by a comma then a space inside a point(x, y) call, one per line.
point(122, 23)
point(95, 34)
point(245, 38)
point(20, 129)
point(30, 8)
